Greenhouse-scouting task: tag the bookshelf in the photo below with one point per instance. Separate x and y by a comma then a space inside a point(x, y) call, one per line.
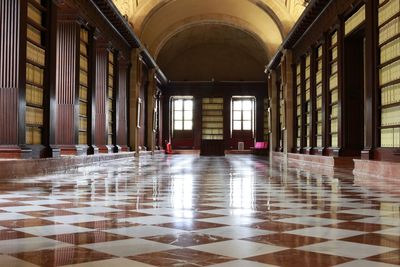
point(266, 120)
point(298, 105)
point(212, 119)
point(110, 98)
point(35, 71)
point(333, 90)
point(83, 87)
point(389, 72)
point(318, 97)
point(355, 20)
point(307, 103)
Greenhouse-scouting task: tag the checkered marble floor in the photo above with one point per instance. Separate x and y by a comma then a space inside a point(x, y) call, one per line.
point(188, 211)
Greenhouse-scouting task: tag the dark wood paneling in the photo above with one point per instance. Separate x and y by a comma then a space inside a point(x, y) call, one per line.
point(371, 80)
point(353, 95)
point(212, 148)
point(9, 70)
point(144, 83)
point(122, 137)
point(183, 140)
point(66, 82)
point(100, 133)
point(214, 89)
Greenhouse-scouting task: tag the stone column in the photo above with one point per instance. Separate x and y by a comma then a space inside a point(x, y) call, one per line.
point(274, 105)
point(100, 88)
point(133, 90)
point(122, 122)
point(287, 83)
point(150, 109)
point(12, 79)
point(67, 86)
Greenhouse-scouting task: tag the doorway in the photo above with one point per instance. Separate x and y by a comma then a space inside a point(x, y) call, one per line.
point(353, 93)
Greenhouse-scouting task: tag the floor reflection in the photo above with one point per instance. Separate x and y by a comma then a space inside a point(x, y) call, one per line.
point(186, 210)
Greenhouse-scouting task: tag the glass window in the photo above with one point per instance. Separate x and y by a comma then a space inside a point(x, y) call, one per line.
point(182, 114)
point(243, 114)
point(178, 125)
point(237, 125)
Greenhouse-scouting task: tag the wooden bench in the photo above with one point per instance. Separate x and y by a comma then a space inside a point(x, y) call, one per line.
point(260, 148)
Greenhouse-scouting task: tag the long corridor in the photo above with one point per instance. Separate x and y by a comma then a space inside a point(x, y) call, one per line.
point(186, 210)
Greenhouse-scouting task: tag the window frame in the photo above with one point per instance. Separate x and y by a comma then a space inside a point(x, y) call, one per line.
point(242, 111)
point(183, 110)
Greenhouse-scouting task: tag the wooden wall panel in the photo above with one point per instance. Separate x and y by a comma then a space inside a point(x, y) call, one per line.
point(66, 82)
point(121, 106)
point(100, 130)
point(144, 83)
point(217, 89)
point(9, 70)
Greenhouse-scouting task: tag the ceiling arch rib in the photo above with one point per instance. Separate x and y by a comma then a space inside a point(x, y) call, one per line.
point(188, 23)
point(200, 53)
point(170, 16)
point(163, 23)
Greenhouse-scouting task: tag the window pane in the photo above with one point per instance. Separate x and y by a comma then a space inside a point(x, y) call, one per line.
point(188, 115)
point(247, 125)
point(178, 104)
point(237, 115)
point(188, 104)
point(237, 125)
point(247, 105)
point(178, 115)
point(178, 125)
point(188, 125)
point(237, 105)
point(247, 115)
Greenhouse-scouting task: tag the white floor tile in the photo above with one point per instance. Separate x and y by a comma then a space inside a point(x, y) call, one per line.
point(346, 249)
point(234, 232)
point(391, 231)
point(238, 248)
point(9, 261)
point(325, 232)
point(144, 231)
point(242, 263)
point(6, 216)
point(76, 218)
point(231, 220)
point(45, 202)
point(57, 229)
point(369, 212)
point(365, 263)
point(381, 220)
point(92, 210)
point(29, 244)
point(118, 262)
point(26, 208)
point(234, 212)
point(310, 221)
point(129, 247)
point(300, 212)
point(150, 220)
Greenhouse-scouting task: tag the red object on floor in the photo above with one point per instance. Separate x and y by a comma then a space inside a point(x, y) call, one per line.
point(168, 149)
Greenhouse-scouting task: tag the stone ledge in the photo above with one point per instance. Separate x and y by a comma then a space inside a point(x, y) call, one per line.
point(32, 167)
point(379, 169)
point(325, 165)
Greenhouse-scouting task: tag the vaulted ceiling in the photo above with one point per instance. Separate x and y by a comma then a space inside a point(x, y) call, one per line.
point(208, 36)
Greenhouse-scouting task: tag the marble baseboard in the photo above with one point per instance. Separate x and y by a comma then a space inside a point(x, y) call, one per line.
point(325, 165)
point(186, 151)
point(378, 169)
point(238, 152)
point(12, 168)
